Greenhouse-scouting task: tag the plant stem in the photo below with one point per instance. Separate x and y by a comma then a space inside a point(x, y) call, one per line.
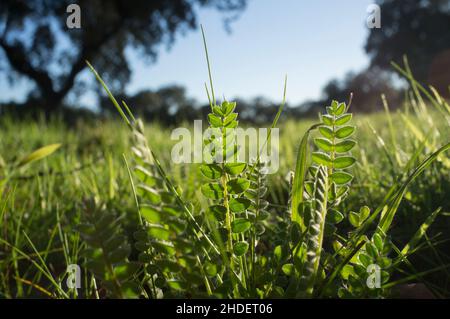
point(228, 216)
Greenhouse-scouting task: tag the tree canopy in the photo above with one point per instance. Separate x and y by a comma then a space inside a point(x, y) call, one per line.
point(419, 29)
point(37, 44)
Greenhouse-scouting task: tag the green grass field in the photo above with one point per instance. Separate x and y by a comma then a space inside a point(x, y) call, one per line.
point(44, 200)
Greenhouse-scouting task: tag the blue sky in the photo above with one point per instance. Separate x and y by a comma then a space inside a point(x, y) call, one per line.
point(310, 41)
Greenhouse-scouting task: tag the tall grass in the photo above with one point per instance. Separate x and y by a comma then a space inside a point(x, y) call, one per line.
point(112, 201)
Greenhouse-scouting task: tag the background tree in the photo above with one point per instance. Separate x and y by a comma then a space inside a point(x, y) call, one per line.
point(419, 29)
point(37, 45)
point(167, 105)
point(366, 86)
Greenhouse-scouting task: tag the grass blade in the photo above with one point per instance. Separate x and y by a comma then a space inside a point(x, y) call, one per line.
point(299, 178)
point(39, 154)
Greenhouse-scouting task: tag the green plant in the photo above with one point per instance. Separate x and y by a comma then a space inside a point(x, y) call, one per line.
point(173, 242)
point(166, 243)
point(219, 251)
point(107, 251)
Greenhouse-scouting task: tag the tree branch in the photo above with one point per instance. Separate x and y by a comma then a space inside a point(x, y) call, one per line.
point(87, 53)
point(17, 59)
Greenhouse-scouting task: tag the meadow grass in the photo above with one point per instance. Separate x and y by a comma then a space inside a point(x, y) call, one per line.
point(107, 196)
point(40, 204)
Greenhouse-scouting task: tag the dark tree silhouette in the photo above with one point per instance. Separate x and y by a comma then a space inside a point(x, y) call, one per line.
point(37, 44)
point(167, 105)
point(419, 29)
point(366, 86)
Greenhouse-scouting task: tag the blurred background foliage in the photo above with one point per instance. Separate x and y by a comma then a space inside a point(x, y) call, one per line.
point(35, 44)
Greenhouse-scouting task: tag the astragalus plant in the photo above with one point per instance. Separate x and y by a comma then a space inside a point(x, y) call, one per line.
point(231, 241)
point(225, 248)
